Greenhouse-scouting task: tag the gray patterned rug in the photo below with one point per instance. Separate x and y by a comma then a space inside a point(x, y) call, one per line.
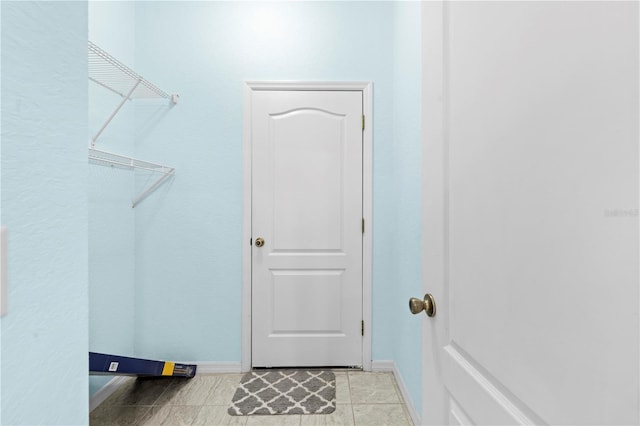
point(285, 392)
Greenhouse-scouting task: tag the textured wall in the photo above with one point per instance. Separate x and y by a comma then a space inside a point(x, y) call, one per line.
point(188, 234)
point(403, 340)
point(44, 200)
point(111, 218)
point(0, 201)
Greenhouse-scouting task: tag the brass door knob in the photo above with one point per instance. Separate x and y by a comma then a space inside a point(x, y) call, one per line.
point(259, 242)
point(428, 305)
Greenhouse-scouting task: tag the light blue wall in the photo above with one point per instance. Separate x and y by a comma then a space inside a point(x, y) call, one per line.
point(407, 230)
point(0, 200)
point(188, 234)
point(111, 218)
point(44, 200)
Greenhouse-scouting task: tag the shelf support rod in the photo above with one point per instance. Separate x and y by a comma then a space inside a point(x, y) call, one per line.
point(152, 188)
point(113, 114)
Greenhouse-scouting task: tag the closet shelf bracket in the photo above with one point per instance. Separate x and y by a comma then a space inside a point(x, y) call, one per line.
point(113, 114)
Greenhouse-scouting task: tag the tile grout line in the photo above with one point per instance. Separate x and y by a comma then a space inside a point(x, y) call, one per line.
point(195, 418)
point(405, 409)
point(143, 416)
point(218, 382)
point(197, 408)
point(353, 414)
point(166, 388)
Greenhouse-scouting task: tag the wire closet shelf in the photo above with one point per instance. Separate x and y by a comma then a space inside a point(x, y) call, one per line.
point(116, 160)
point(113, 75)
point(110, 73)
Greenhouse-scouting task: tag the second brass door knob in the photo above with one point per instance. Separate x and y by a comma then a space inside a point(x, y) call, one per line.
point(428, 305)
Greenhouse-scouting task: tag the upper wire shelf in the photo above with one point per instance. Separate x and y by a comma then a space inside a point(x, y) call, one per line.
point(112, 74)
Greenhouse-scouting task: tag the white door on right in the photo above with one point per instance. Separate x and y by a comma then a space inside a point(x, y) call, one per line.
point(531, 212)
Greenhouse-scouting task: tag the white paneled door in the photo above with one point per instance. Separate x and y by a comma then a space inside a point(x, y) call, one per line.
point(530, 231)
point(306, 223)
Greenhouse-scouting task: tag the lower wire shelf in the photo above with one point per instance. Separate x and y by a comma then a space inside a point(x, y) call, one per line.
point(105, 364)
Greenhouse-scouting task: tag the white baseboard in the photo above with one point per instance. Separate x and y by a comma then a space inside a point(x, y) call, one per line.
point(383, 366)
point(217, 367)
point(106, 391)
point(392, 367)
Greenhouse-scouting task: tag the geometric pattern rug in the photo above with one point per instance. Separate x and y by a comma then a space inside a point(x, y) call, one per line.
point(268, 392)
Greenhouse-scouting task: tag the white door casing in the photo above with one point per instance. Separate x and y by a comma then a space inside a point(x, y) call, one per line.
point(307, 298)
point(530, 224)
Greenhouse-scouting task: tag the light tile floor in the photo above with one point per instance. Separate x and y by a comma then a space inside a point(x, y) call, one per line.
point(361, 399)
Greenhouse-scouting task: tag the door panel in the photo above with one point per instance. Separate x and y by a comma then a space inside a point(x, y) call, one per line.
point(315, 159)
point(307, 206)
point(322, 287)
point(538, 258)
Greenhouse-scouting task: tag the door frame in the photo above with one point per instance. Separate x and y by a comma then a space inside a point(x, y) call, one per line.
point(366, 88)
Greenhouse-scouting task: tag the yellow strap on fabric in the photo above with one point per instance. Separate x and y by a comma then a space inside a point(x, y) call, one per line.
point(167, 370)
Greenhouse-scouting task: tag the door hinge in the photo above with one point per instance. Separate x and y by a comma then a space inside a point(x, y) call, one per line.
point(362, 327)
point(362, 121)
point(363, 225)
